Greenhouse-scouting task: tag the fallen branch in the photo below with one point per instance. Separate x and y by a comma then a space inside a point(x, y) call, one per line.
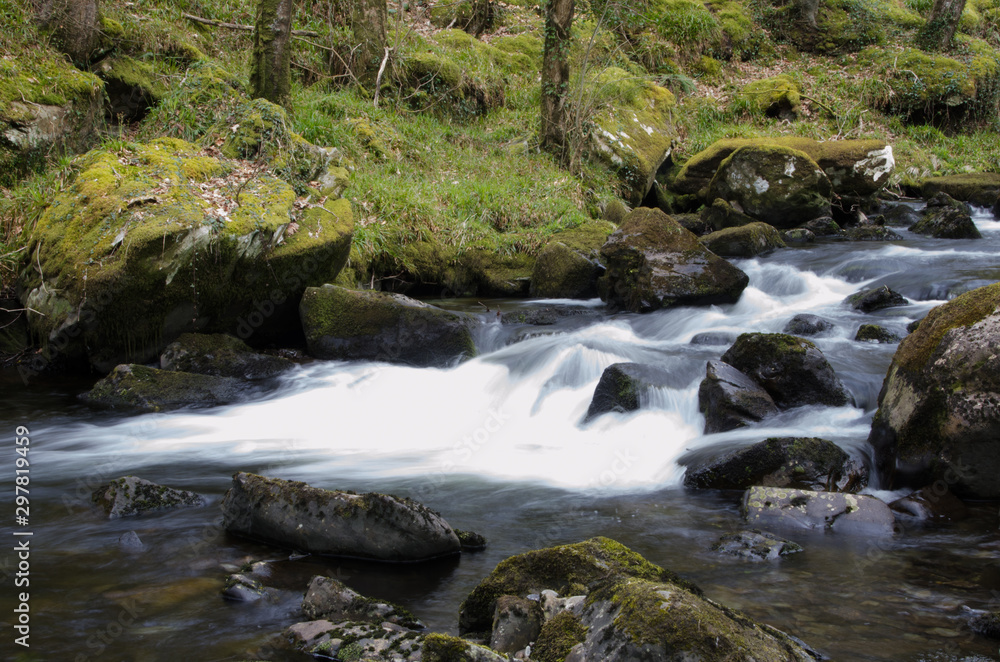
point(240, 26)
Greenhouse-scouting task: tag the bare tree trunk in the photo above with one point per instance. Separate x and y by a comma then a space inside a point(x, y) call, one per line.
point(555, 76)
point(271, 66)
point(484, 17)
point(807, 12)
point(75, 26)
point(368, 23)
point(937, 34)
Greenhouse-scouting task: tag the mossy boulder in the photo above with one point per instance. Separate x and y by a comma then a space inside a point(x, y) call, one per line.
point(977, 188)
point(129, 496)
point(328, 598)
point(875, 333)
point(652, 262)
point(806, 463)
point(517, 622)
point(938, 409)
point(132, 88)
point(721, 215)
point(562, 273)
point(729, 399)
point(633, 132)
point(221, 355)
point(438, 83)
point(624, 386)
point(777, 185)
point(152, 240)
point(779, 96)
point(792, 370)
point(139, 388)
point(947, 218)
point(379, 527)
point(854, 167)
point(748, 240)
point(558, 637)
point(380, 326)
point(382, 642)
point(566, 569)
point(877, 298)
point(833, 27)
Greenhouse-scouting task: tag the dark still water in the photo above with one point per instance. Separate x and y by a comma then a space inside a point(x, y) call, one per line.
point(497, 445)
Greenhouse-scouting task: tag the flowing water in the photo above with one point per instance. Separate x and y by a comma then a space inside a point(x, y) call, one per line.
point(498, 446)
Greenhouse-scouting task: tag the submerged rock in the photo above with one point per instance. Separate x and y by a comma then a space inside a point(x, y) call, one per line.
point(243, 588)
point(939, 408)
point(378, 326)
point(935, 502)
point(792, 370)
point(652, 262)
point(755, 545)
point(805, 509)
point(868, 301)
point(745, 241)
point(373, 526)
point(729, 399)
point(220, 355)
point(329, 599)
point(131, 543)
point(871, 233)
point(130, 495)
point(805, 324)
point(622, 386)
point(136, 387)
point(805, 463)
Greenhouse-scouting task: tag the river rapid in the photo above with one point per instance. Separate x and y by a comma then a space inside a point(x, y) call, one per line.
point(498, 445)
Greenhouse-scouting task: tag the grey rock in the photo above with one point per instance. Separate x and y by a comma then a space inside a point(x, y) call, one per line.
point(875, 333)
point(139, 388)
point(516, 623)
point(622, 386)
point(130, 542)
point(562, 273)
point(220, 355)
point(755, 545)
point(729, 399)
point(868, 301)
point(748, 240)
point(932, 503)
point(329, 599)
point(243, 588)
point(382, 642)
point(805, 324)
point(947, 218)
point(805, 509)
point(129, 496)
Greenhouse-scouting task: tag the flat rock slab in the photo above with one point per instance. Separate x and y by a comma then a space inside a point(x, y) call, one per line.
point(370, 526)
point(130, 495)
point(804, 509)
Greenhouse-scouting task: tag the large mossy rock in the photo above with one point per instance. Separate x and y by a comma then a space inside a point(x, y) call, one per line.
point(806, 463)
point(372, 526)
point(134, 387)
point(729, 399)
point(149, 241)
point(652, 262)
point(939, 408)
point(780, 186)
point(379, 326)
point(329, 599)
point(562, 273)
point(977, 188)
point(779, 96)
point(634, 132)
point(792, 370)
point(854, 167)
point(623, 386)
point(129, 496)
point(827, 511)
point(745, 241)
point(568, 570)
point(381, 642)
point(947, 218)
point(220, 355)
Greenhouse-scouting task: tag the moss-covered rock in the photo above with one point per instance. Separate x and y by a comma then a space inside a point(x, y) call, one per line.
point(634, 132)
point(870, 300)
point(745, 241)
point(439, 84)
point(558, 636)
point(937, 415)
point(560, 272)
point(805, 324)
point(652, 262)
point(824, 511)
point(730, 399)
point(806, 463)
point(130, 495)
point(566, 569)
point(373, 526)
point(835, 26)
point(624, 386)
point(779, 96)
point(382, 642)
point(328, 598)
point(379, 326)
point(132, 88)
point(870, 233)
point(792, 370)
point(777, 185)
point(977, 188)
point(152, 240)
point(947, 218)
point(516, 623)
point(875, 333)
point(222, 355)
point(721, 215)
point(139, 388)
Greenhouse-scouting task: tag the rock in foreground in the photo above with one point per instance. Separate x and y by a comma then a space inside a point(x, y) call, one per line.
point(130, 495)
point(373, 526)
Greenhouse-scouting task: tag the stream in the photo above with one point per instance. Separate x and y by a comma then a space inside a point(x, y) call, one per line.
point(498, 445)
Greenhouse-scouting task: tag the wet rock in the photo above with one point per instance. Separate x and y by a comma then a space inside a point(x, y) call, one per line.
point(935, 502)
point(871, 233)
point(792, 370)
point(939, 408)
point(378, 326)
point(755, 545)
point(868, 301)
point(901, 215)
point(946, 218)
point(721, 215)
point(380, 642)
point(986, 623)
point(745, 241)
point(729, 399)
point(562, 273)
point(329, 599)
point(622, 386)
point(220, 355)
point(695, 223)
point(545, 316)
point(471, 542)
point(371, 526)
point(805, 324)
point(713, 338)
point(652, 262)
point(875, 333)
point(552, 604)
point(805, 509)
point(823, 226)
point(561, 634)
point(798, 236)
point(978, 188)
point(130, 495)
point(138, 388)
point(806, 463)
point(242, 588)
point(131, 543)
point(516, 623)
point(566, 569)
point(777, 185)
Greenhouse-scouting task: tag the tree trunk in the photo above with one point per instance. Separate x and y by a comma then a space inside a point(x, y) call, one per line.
point(937, 34)
point(555, 76)
point(368, 23)
point(807, 12)
point(483, 17)
point(75, 26)
point(271, 67)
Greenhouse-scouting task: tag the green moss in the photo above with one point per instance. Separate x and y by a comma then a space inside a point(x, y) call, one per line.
point(558, 636)
point(772, 96)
